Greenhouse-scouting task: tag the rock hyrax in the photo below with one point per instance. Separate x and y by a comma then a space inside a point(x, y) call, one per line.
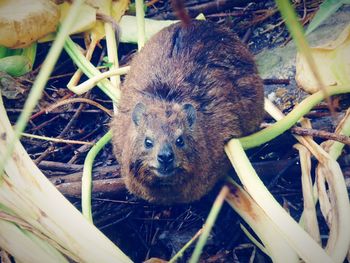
point(188, 92)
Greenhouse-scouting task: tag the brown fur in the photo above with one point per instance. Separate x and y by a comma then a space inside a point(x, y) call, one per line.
point(203, 65)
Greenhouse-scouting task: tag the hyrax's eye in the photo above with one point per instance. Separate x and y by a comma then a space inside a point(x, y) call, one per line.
point(180, 142)
point(148, 143)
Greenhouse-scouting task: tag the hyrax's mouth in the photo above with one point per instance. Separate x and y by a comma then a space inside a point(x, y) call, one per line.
point(166, 176)
point(167, 172)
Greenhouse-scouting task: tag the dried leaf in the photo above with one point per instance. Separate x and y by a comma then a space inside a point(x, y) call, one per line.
point(155, 260)
point(23, 22)
point(10, 88)
point(333, 61)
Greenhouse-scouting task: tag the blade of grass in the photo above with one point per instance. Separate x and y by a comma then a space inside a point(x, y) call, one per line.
point(326, 9)
point(297, 33)
point(209, 224)
point(179, 254)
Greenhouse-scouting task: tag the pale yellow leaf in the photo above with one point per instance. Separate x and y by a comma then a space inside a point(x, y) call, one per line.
point(23, 22)
point(332, 60)
point(119, 7)
point(86, 19)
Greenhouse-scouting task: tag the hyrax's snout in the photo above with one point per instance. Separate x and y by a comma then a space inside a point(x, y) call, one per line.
point(166, 158)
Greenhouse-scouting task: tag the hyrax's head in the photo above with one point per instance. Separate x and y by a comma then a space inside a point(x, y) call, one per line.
point(164, 152)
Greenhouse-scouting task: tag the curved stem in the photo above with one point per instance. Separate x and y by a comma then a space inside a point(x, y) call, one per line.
point(284, 124)
point(89, 70)
point(91, 82)
point(86, 181)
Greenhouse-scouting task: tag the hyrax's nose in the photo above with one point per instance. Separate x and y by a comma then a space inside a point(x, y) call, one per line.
point(166, 155)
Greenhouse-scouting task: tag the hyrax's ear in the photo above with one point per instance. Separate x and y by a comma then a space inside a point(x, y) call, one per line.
point(190, 113)
point(138, 112)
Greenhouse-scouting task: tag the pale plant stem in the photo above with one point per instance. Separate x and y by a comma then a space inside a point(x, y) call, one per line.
point(140, 17)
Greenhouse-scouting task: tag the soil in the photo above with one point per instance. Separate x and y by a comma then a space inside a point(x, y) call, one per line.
point(140, 229)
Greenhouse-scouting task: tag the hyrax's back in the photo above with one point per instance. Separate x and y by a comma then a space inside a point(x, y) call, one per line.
point(207, 66)
point(189, 91)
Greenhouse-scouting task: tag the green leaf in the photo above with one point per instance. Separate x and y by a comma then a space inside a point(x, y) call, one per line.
point(327, 8)
point(30, 53)
point(15, 65)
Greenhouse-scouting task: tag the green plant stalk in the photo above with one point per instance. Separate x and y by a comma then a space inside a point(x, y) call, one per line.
point(296, 237)
point(209, 224)
point(41, 80)
point(289, 120)
point(86, 181)
point(140, 16)
point(88, 69)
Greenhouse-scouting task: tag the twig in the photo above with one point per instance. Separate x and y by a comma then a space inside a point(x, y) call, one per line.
point(57, 140)
point(152, 2)
point(276, 81)
point(42, 111)
point(107, 186)
point(75, 100)
point(45, 123)
point(57, 166)
point(78, 153)
point(64, 131)
point(100, 173)
point(321, 134)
